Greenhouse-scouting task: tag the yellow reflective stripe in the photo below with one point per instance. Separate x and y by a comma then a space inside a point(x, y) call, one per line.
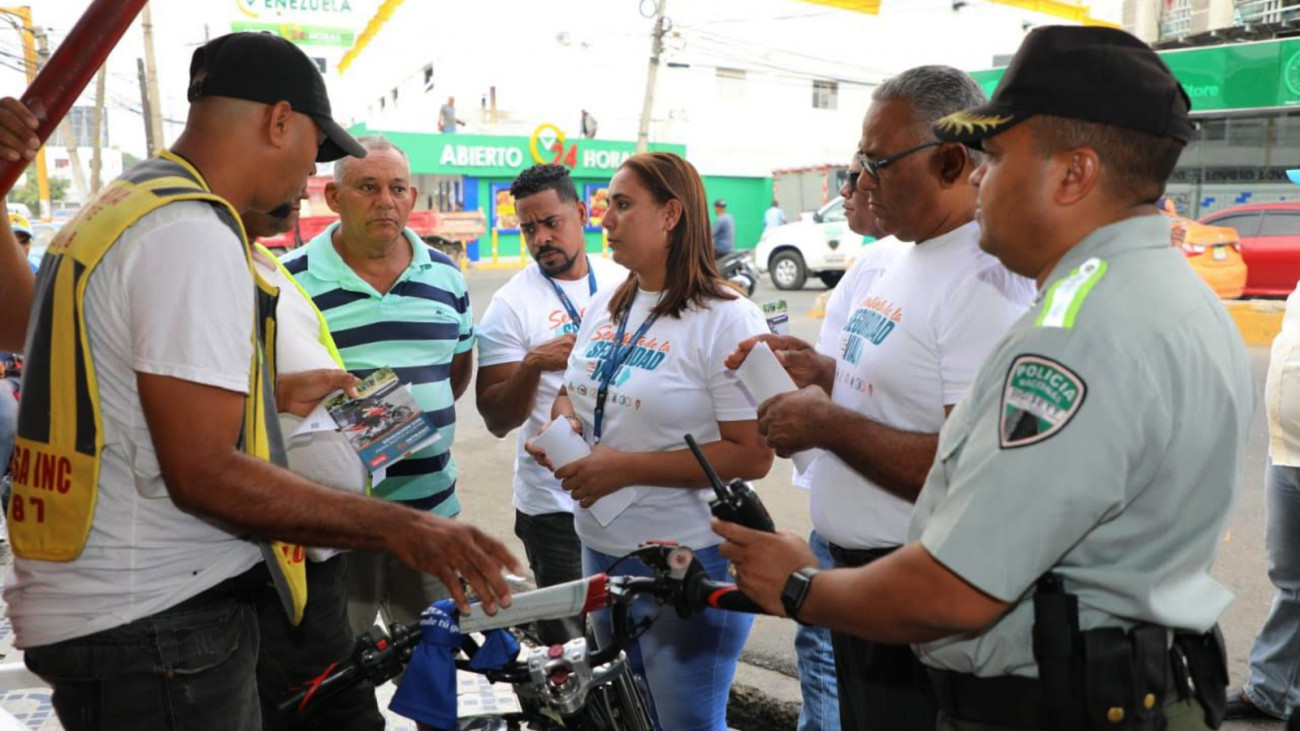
point(324, 336)
point(1062, 302)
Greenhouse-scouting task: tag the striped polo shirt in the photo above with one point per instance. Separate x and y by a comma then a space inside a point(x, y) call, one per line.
point(416, 328)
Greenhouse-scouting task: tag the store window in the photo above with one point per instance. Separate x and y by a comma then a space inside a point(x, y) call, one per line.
point(825, 94)
point(1246, 131)
point(1213, 130)
point(1237, 159)
point(1176, 19)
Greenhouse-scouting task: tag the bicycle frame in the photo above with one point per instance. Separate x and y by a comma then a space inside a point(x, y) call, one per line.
point(560, 677)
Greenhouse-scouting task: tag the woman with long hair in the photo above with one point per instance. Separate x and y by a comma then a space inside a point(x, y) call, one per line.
point(647, 369)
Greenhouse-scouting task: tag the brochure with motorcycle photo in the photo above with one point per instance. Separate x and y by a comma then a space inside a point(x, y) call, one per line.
point(384, 423)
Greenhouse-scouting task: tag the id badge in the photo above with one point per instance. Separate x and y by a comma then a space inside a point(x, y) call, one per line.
point(778, 317)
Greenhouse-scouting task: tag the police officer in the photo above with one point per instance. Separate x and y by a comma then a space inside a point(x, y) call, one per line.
point(1080, 490)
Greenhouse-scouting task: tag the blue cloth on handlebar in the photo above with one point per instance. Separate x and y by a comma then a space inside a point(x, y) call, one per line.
point(499, 649)
point(427, 692)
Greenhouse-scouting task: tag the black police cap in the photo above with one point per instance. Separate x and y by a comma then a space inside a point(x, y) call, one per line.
point(264, 68)
point(1091, 74)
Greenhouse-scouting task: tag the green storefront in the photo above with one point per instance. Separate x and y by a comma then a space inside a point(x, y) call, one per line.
point(1246, 101)
point(468, 172)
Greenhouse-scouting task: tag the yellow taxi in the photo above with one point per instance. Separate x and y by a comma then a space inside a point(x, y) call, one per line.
point(1214, 252)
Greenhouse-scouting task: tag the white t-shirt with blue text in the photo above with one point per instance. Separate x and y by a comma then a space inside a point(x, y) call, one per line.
point(921, 319)
point(525, 313)
point(674, 383)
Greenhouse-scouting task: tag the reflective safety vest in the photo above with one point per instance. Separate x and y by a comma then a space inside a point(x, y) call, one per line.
point(323, 335)
point(56, 458)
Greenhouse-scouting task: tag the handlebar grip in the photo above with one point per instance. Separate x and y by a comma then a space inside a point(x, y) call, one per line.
point(719, 595)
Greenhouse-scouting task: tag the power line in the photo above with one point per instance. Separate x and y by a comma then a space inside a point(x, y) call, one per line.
point(748, 19)
point(765, 50)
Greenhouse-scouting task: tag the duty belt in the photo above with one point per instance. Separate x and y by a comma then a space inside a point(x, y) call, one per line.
point(1009, 700)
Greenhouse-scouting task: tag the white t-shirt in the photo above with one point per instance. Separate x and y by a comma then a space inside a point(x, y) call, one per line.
point(676, 382)
point(873, 259)
point(173, 297)
point(324, 457)
point(921, 321)
point(297, 333)
point(523, 314)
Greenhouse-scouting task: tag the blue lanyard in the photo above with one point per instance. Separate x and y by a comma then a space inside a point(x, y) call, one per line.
point(613, 362)
point(574, 317)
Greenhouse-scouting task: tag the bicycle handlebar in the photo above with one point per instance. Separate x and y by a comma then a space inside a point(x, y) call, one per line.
point(679, 581)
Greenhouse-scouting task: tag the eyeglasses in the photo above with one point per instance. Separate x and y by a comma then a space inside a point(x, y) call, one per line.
point(852, 179)
point(873, 167)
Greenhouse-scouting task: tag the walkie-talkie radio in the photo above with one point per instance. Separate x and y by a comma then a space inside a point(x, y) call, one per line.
point(736, 501)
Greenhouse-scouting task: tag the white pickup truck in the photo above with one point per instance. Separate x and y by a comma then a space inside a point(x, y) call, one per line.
point(819, 244)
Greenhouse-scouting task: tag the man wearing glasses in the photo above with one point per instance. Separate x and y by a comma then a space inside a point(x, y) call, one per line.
point(923, 312)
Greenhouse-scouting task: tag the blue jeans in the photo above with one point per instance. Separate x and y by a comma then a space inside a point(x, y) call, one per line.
point(190, 667)
point(816, 661)
point(1274, 680)
point(688, 664)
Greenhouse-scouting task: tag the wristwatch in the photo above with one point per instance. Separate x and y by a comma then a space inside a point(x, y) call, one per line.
point(796, 591)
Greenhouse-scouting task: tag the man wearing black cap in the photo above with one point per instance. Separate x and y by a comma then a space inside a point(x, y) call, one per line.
point(147, 479)
point(1066, 531)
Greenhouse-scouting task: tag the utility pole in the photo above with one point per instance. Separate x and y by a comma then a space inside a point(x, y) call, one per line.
point(154, 110)
point(145, 106)
point(24, 14)
point(97, 131)
point(656, 50)
point(65, 128)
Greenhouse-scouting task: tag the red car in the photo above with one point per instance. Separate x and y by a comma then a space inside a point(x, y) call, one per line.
point(1270, 244)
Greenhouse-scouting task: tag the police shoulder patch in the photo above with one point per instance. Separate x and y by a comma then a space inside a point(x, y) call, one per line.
point(1039, 398)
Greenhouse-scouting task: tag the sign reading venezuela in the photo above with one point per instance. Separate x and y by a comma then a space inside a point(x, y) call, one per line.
point(275, 8)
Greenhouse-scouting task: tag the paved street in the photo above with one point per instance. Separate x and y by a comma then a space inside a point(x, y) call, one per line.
point(486, 468)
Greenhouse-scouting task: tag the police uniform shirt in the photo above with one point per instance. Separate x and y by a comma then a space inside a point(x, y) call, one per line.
point(1101, 440)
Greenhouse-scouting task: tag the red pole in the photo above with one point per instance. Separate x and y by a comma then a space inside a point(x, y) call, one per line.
point(71, 67)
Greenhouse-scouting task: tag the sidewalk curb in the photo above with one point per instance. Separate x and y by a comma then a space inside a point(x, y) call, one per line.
point(763, 700)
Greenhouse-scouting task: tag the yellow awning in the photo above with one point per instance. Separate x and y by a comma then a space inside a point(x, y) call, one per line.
point(380, 17)
point(870, 7)
point(1058, 8)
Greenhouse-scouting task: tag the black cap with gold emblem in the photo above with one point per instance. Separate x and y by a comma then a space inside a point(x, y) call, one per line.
point(1091, 74)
